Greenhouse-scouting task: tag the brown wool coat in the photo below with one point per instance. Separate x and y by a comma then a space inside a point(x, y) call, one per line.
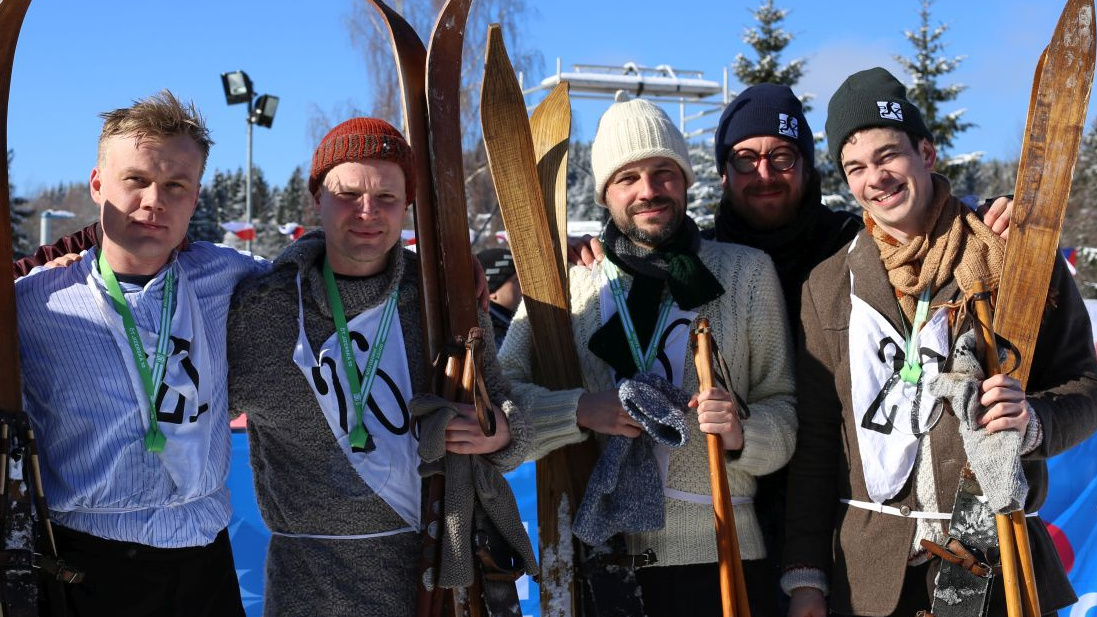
point(863, 553)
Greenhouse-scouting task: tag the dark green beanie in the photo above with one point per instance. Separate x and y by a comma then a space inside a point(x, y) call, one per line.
point(870, 99)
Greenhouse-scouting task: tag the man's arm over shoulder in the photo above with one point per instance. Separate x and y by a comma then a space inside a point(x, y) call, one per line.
point(80, 241)
point(1062, 388)
point(249, 301)
point(227, 261)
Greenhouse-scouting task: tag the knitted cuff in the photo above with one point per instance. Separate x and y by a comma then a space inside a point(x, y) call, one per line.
point(804, 577)
point(520, 440)
point(552, 415)
point(767, 444)
point(1034, 432)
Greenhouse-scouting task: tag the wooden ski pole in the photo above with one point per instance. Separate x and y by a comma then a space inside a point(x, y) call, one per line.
point(733, 592)
point(1031, 601)
point(1009, 541)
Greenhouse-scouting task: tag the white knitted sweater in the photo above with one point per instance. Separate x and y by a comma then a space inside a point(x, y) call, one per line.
point(751, 331)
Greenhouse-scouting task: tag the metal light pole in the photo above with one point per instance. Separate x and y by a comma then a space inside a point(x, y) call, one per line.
point(238, 89)
point(45, 233)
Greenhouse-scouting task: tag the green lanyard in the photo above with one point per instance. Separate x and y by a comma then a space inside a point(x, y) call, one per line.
point(359, 437)
point(154, 437)
point(912, 365)
point(643, 359)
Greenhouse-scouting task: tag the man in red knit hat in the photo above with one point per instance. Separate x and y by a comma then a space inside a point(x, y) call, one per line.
point(325, 354)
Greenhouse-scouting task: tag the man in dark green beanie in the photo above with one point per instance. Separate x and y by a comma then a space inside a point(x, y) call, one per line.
point(878, 454)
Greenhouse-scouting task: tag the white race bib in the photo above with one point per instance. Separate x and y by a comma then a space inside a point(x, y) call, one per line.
point(184, 396)
point(891, 414)
point(391, 469)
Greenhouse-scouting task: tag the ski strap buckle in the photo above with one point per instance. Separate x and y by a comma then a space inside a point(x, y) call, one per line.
point(956, 553)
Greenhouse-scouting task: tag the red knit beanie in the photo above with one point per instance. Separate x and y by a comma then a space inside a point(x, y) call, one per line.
point(360, 139)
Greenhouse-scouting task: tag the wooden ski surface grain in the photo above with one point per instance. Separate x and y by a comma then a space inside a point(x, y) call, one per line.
point(443, 83)
point(1056, 118)
point(12, 13)
point(411, 62)
point(550, 124)
point(530, 201)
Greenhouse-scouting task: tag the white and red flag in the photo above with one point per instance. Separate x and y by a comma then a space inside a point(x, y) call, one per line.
point(293, 230)
point(244, 231)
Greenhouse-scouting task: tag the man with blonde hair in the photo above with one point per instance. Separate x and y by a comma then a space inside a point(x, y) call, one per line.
point(124, 369)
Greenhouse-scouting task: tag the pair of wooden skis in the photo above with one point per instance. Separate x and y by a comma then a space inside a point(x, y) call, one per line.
point(430, 82)
point(1056, 117)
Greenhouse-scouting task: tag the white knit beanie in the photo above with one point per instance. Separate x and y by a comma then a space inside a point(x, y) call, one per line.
point(632, 130)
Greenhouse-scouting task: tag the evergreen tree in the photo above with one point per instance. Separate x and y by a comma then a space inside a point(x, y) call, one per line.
point(1080, 221)
point(927, 68)
point(703, 199)
point(582, 205)
point(296, 205)
point(21, 243)
point(769, 39)
point(204, 225)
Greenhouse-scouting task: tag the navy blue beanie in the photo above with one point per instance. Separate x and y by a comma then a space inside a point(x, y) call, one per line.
point(761, 110)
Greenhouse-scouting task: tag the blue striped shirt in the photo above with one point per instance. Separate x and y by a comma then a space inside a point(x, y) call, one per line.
point(89, 415)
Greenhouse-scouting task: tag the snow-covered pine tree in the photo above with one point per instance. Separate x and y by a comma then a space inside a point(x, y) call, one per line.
point(926, 68)
point(769, 39)
point(204, 225)
point(582, 205)
point(1080, 223)
point(704, 196)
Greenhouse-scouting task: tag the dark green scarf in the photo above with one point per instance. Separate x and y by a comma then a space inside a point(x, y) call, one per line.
point(674, 264)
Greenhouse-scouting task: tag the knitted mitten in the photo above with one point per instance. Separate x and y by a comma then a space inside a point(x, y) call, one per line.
point(995, 458)
point(625, 492)
point(469, 479)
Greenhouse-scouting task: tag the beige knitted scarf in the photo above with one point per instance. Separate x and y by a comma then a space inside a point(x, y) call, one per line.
point(957, 244)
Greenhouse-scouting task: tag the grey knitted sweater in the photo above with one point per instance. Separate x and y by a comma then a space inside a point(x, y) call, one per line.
point(752, 332)
point(304, 482)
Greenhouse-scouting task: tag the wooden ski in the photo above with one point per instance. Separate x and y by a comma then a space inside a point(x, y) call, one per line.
point(550, 124)
point(22, 502)
point(446, 287)
point(411, 61)
point(529, 182)
point(11, 21)
point(1056, 118)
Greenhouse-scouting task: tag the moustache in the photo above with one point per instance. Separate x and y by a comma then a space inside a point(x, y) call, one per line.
point(765, 187)
point(656, 202)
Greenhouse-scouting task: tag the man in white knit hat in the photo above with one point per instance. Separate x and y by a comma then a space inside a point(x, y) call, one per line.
point(631, 316)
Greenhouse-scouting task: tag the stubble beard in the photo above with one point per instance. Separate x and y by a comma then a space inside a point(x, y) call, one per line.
point(654, 237)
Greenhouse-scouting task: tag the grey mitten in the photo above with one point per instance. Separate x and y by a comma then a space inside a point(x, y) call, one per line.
point(625, 493)
point(658, 406)
point(995, 458)
point(469, 479)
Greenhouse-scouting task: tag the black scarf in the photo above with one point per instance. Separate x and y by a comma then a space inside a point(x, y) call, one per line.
point(675, 264)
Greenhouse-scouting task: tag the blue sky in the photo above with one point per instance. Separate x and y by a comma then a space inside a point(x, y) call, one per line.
point(76, 59)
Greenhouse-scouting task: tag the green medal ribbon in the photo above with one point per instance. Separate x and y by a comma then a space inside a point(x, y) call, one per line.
point(155, 440)
point(359, 437)
point(912, 364)
point(643, 359)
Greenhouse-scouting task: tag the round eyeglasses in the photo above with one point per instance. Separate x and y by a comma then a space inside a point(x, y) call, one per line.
point(780, 159)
